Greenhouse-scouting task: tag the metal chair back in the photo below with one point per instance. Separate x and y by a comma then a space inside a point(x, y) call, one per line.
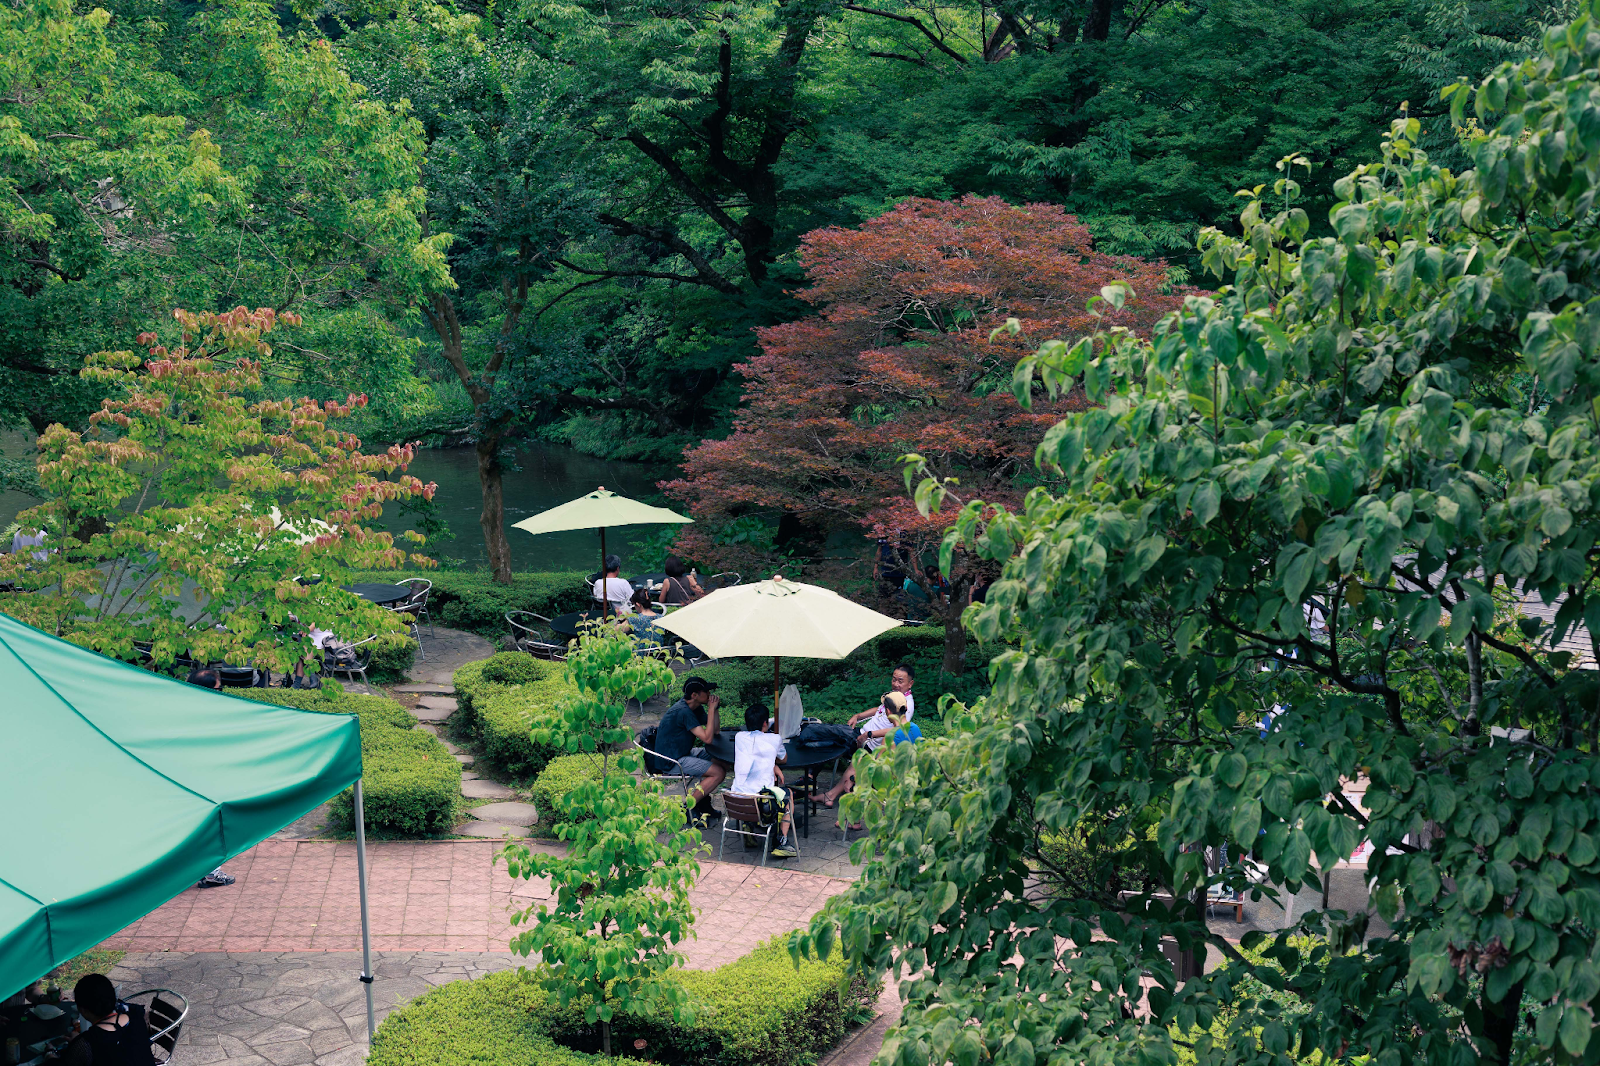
point(527, 636)
point(164, 1018)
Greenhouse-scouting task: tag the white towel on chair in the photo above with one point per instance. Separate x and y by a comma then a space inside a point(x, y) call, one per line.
point(790, 712)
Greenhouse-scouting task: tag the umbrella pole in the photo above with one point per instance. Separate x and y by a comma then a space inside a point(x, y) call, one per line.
point(775, 687)
point(604, 588)
point(366, 924)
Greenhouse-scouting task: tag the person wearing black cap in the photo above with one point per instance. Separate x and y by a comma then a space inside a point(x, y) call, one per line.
point(687, 726)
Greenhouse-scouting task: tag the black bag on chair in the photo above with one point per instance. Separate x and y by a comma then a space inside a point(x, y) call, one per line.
point(826, 735)
point(646, 739)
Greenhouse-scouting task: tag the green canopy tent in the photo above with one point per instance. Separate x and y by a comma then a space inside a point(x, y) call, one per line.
point(120, 788)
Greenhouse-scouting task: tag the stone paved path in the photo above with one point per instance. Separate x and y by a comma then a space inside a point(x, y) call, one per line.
point(434, 896)
point(272, 961)
point(287, 1008)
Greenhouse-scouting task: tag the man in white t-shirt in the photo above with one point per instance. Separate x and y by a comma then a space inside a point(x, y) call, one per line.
point(756, 754)
point(611, 590)
point(877, 721)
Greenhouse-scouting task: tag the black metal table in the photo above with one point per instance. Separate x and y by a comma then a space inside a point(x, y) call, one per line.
point(382, 595)
point(570, 625)
point(796, 757)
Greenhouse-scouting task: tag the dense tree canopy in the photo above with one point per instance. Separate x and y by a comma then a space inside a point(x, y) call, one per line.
point(906, 354)
point(1320, 489)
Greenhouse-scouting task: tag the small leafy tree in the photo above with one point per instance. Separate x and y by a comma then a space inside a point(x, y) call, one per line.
point(181, 519)
point(1323, 488)
point(622, 888)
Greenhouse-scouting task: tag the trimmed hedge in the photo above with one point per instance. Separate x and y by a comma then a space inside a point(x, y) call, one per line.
point(759, 1010)
point(506, 720)
point(477, 681)
point(497, 1020)
point(471, 600)
point(412, 784)
point(561, 775)
point(392, 656)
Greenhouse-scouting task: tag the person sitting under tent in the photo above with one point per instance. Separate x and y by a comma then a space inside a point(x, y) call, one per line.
point(611, 590)
point(114, 1034)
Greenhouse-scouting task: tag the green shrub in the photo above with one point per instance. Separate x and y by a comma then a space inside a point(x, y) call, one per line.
point(392, 656)
point(756, 1011)
point(497, 1020)
point(506, 717)
point(561, 775)
point(411, 783)
point(475, 682)
point(473, 601)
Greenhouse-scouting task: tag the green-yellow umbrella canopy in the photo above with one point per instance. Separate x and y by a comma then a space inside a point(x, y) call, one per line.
point(777, 618)
point(597, 510)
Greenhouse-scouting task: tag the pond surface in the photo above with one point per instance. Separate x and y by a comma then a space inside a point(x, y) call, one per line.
point(547, 475)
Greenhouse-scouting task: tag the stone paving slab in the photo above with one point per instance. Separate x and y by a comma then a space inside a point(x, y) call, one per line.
point(448, 650)
point(510, 813)
point(431, 690)
point(490, 830)
point(477, 789)
point(433, 713)
point(300, 895)
point(290, 1008)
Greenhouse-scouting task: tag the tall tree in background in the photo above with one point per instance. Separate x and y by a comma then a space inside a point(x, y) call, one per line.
point(156, 155)
point(902, 357)
point(496, 116)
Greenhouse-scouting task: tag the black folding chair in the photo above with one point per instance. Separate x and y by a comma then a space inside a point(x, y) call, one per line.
point(165, 1019)
point(526, 635)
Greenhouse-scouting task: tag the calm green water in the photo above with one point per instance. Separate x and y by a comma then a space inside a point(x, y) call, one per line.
point(548, 475)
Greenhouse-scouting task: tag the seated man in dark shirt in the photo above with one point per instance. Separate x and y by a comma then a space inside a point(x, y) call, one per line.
point(685, 728)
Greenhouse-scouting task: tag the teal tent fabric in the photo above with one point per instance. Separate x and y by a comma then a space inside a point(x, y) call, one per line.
point(120, 788)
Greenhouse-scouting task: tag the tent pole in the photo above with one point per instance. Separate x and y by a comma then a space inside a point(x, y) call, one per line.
point(366, 924)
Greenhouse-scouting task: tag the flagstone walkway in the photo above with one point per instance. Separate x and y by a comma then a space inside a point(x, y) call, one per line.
point(272, 961)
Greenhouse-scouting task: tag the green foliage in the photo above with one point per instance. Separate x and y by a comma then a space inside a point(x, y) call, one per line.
point(477, 681)
point(560, 776)
point(1389, 432)
point(498, 1020)
point(475, 602)
point(411, 784)
point(182, 520)
point(622, 888)
point(760, 1010)
point(393, 655)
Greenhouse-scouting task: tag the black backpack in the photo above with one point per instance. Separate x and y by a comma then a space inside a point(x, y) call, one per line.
point(646, 740)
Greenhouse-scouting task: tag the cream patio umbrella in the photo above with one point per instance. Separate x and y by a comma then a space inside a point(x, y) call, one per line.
point(777, 618)
point(599, 509)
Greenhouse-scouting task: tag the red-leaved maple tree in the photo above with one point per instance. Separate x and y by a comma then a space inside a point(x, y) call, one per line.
point(899, 358)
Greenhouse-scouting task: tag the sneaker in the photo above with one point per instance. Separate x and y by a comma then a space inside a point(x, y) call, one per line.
point(785, 850)
point(216, 878)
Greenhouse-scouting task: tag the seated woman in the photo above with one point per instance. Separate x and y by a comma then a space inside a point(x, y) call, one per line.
point(680, 587)
point(890, 720)
point(115, 1033)
point(642, 623)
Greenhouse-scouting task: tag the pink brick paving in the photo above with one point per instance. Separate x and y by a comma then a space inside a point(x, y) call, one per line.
point(300, 895)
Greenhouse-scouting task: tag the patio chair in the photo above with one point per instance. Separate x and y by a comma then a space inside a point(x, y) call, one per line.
point(658, 767)
point(722, 581)
point(416, 605)
point(746, 810)
point(351, 661)
point(527, 636)
point(164, 1019)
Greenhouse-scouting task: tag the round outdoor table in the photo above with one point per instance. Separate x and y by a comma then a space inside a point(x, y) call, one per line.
point(567, 625)
point(382, 595)
point(647, 581)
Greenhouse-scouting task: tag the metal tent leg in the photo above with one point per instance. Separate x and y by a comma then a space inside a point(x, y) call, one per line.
point(366, 924)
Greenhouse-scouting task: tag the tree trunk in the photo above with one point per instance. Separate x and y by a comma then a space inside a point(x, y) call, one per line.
point(1500, 1022)
point(955, 638)
point(605, 1037)
point(493, 517)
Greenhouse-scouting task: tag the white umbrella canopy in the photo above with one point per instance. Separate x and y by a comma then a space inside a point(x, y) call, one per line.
point(777, 618)
point(597, 510)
